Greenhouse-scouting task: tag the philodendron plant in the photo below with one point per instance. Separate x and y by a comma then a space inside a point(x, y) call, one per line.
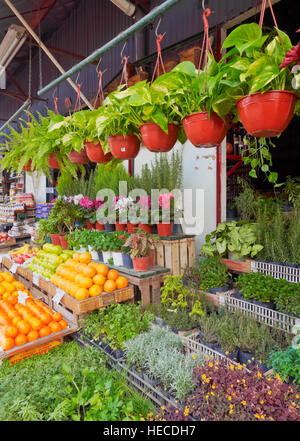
point(238, 238)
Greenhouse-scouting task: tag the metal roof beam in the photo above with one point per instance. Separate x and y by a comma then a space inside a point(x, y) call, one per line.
point(143, 22)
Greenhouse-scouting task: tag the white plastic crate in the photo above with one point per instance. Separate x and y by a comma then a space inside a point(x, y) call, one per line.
point(277, 270)
point(269, 317)
point(192, 344)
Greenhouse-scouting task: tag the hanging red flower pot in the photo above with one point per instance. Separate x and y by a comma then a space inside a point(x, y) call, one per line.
point(95, 153)
point(204, 130)
point(78, 157)
point(156, 140)
point(268, 114)
point(164, 229)
point(124, 147)
point(52, 162)
point(27, 167)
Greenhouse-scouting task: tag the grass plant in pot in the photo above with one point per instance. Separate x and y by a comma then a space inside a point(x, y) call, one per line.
point(263, 71)
point(141, 245)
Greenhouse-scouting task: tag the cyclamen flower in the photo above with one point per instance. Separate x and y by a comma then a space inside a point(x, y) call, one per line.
point(86, 203)
point(123, 203)
point(98, 203)
point(164, 200)
point(145, 201)
point(77, 198)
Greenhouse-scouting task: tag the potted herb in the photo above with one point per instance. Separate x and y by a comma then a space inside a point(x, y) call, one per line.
point(141, 245)
point(237, 239)
point(180, 300)
point(268, 102)
point(117, 244)
point(107, 247)
point(126, 258)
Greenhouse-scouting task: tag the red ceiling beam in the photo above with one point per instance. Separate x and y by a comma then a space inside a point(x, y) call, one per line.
point(15, 82)
point(18, 97)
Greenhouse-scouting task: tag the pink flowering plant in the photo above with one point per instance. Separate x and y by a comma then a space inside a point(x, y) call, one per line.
point(166, 211)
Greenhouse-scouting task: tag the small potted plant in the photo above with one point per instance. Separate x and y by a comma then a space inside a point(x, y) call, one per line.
point(165, 214)
point(107, 247)
point(117, 244)
point(126, 258)
point(145, 214)
point(141, 245)
point(120, 206)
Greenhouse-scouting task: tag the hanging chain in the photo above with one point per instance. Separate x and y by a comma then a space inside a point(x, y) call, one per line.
point(30, 68)
point(40, 51)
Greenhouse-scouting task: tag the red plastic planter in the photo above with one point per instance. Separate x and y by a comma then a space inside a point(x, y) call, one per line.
point(89, 225)
point(27, 167)
point(52, 162)
point(141, 263)
point(131, 228)
point(164, 229)
point(267, 114)
point(121, 227)
point(146, 227)
point(63, 241)
point(99, 226)
point(124, 147)
point(78, 157)
point(156, 140)
point(95, 153)
point(205, 131)
point(55, 239)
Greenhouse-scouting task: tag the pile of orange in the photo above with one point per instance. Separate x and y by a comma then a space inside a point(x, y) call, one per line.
point(81, 278)
point(21, 324)
point(10, 287)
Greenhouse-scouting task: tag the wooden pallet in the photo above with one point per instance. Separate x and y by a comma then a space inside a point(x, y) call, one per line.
point(175, 253)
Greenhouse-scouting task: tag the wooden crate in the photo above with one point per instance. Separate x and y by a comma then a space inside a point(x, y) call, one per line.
point(98, 302)
point(175, 253)
point(238, 266)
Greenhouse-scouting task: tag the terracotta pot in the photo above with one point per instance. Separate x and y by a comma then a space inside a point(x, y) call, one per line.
point(267, 114)
point(89, 225)
point(164, 229)
point(205, 131)
point(131, 228)
point(121, 227)
point(146, 227)
point(124, 147)
point(78, 157)
point(95, 153)
point(141, 263)
point(99, 226)
point(156, 140)
point(52, 162)
point(55, 239)
point(63, 241)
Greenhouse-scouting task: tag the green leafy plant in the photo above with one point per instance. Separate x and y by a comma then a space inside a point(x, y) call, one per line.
point(117, 323)
point(238, 238)
point(246, 202)
point(45, 228)
point(287, 364)
point(207, 273)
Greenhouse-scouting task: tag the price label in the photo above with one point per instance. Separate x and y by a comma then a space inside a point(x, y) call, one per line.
point(35, 280)
point(58, 296)
point(22, 296)
point(13, 268)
